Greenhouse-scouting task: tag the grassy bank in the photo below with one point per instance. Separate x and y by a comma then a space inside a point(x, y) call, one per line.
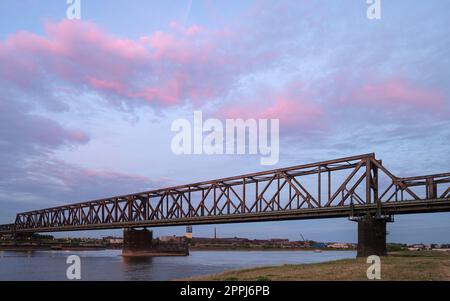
point(405, 265)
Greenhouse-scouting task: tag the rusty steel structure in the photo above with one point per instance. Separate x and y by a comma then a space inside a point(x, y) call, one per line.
point(348, 187)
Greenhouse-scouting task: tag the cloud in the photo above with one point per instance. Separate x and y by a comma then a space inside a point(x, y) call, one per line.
point(30, 178)
point(163, 69)
point(292, 104)
point(71, 183)
point(44, 182)
point(398, 93)
point(26, 132)
point(185, 64)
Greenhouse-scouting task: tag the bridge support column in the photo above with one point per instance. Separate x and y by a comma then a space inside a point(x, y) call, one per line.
point(137, 239)
point(22, 236)
point(140, 243)
point(372, 236)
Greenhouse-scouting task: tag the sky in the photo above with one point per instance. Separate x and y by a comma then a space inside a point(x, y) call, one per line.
point(86, 106)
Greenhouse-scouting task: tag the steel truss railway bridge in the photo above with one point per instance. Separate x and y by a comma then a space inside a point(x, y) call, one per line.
point(357, 187)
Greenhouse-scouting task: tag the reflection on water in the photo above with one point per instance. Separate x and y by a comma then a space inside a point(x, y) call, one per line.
point(137, 268)
point(132, 261)
point(110, 265)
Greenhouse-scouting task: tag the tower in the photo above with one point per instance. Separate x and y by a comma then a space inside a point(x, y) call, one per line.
point(188, 232)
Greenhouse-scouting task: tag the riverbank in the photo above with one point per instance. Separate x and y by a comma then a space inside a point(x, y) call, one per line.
point(403, 265)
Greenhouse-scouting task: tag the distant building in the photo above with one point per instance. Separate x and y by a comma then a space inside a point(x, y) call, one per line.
point(172, 238)
point(167, 237)
point(338, 245)
point(279, 240)
point(319, 245)
point(417, 247)
point(188, 232)
point(113, 240)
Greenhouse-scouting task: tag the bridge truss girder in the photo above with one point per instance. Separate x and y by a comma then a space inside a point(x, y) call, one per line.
point(336, 188)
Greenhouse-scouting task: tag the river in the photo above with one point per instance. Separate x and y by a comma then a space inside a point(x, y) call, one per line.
point(110, 265)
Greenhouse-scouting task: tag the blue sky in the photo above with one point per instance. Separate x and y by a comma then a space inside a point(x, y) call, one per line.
point(86, 106)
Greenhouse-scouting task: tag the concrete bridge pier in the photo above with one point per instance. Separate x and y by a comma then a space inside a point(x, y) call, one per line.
point(140, 243)
point(22, 236)
point(134, 239)
point(372, 235)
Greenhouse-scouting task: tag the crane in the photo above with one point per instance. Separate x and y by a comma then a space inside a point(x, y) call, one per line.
point(302, 237)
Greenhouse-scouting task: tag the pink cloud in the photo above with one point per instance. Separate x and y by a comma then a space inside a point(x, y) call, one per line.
point(398, 93)
point(78, 136)
point(99, 84)
point(162, 69)
point(292, 105)
point(292, 112)
point(289, 112)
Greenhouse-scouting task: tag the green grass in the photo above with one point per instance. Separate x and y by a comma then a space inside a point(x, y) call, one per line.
point(401, 265)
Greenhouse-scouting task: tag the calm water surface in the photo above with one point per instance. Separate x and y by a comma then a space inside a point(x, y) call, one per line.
point(109, 265)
